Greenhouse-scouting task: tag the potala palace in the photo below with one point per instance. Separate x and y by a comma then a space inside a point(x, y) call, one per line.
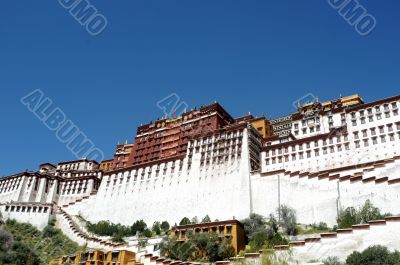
point(318, 160)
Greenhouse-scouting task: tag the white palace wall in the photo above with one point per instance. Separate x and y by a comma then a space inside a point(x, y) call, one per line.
point(219, 190)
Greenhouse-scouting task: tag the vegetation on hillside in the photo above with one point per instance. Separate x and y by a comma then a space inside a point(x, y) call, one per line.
point(374, 255)
point(23, 244)
point(118, 232)
point(265, 233)
point(352, 216)
point(198, 247)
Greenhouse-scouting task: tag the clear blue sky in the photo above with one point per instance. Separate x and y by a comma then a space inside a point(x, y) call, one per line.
point(256, 56)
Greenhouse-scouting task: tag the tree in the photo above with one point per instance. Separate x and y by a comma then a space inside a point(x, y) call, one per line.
point(351, 216)
point(147, 233)
point(347, 218)
point(156, 228)
point(142, 243)
point(195, 220)
point(253, 223)
point(267, 237)
point(375, 255)
point(332, 261)
point(185, 221)
point(138, 226)
point(118, 237)
point(288, 220)
point(165, 226)
point(369, 212)
point(225, 249)
point(206, 219)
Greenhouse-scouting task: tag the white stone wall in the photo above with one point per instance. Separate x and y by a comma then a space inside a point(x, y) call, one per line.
point(318, 200)
point(344, 244)
point(219, 190)
point(37, 218)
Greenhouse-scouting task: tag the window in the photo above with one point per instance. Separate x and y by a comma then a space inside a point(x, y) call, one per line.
point(395, 112)
point(364, 133)
point(394, 105)
point(294, 157)
point(369, 111)
point(308, 145)
point(391, 136)
point(373, 131)
point(381, 129)
point(354, 123)
point(377, 109)
point(366, 143)
point(347, 147)
point(363, 120)
point(357, 144)
point(311, 129)
point(316, 151)
point(374, 141)
point(316, 143)
point(266, 161)
point(296, 125)
point(330, 140)
point(398, 126)
point(371, 118)
point(390, 127)
point(332, 149)
point(383, 139)
point(286, 158)
point(386, 107)
point(356, 135)
point(308, 154)
point(304, 131)
point(318, 128)
point(339, 148)
point(379, 116)
point(301, 155)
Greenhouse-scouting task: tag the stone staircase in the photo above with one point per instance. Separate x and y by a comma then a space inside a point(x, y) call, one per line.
point(344, 241)
point(79, 235)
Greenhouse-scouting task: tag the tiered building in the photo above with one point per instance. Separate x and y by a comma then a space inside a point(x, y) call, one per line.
point(325, 156)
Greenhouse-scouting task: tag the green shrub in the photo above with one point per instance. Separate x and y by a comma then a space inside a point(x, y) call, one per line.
point(165, 226)
point(185, 221)
point(332, 261)
point(23, 244)
point(352, 216)
point(375, 255)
